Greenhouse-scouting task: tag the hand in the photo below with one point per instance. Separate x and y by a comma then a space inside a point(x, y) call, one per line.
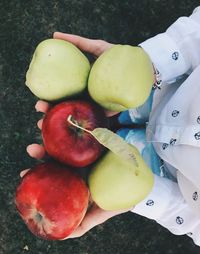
point(95, 215)
point(94, 47)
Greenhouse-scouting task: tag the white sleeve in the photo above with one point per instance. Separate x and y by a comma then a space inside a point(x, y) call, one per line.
point(177, 51)
point(166, 205)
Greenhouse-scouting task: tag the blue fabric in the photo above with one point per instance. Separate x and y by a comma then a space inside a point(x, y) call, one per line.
point(123, 132)
point(137, 137)
point(124, 118)
point(139, 115)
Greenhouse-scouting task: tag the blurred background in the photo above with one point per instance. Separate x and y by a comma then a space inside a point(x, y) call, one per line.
point(23, 24)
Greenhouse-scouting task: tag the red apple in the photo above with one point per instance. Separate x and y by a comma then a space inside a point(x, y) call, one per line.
point(52, 200)
point(67, 143)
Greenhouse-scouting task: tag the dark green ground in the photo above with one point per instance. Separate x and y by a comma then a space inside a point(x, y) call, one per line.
point(23, 24)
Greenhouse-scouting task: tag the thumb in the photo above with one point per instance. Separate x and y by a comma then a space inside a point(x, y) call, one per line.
point(95, 47)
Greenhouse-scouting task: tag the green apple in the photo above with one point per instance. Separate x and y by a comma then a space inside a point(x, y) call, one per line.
point(58, 69)
point(121, 78)
point(117, 184)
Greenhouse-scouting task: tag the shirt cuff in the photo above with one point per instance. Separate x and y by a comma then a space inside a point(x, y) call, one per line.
point(163, 194)
point(195, 15)
point(166, 57)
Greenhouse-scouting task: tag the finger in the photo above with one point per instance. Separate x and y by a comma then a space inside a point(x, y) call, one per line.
point(111, 113)
point(77, 233)
point(36, 151)
point(23, 172)
point(42, 106)
point(39, 123)
point(95, 47)
point(89, 221)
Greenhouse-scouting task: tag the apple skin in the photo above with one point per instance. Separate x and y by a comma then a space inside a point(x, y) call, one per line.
point(68, 144)
point(117, 184)
point(121, 78)
point(52, 200)
point(57, 70)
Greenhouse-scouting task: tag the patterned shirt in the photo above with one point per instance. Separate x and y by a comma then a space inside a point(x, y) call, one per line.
point(174, 127)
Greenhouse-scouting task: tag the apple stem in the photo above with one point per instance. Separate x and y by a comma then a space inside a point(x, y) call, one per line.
point(74, 123)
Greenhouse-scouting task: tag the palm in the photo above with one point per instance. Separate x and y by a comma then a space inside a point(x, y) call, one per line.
point(94, 47)
point(95, 215)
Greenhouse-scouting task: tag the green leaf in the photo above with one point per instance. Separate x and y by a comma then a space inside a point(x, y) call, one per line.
point(110, 140)
point(114, 143)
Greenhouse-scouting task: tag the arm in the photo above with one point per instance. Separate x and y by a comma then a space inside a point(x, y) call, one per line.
point(173, 53)
point(166, 205)
point(177, 51)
